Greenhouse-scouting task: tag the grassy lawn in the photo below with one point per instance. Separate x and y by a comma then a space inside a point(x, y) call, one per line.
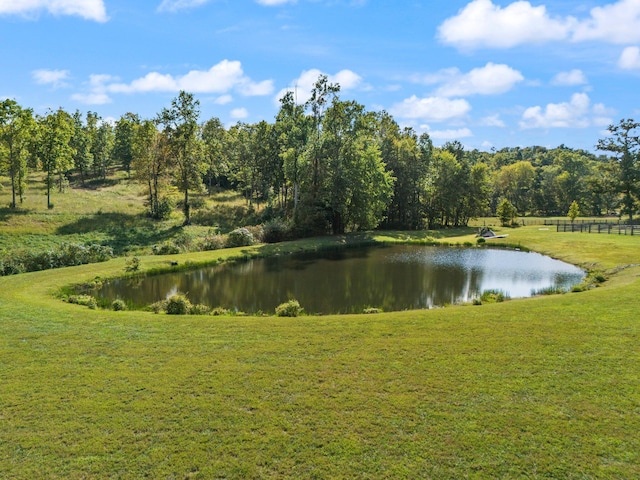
point(547, 387)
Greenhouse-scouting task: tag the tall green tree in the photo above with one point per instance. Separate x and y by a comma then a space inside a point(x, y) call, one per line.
point(150, 164)
point(356, 187)
point(292, 132)
point(54, 151)
point(81, 144)
point(123, 140)
point(515, 182)
point(180, 126)
point(17, 127)
point(102, 148)
point(624, 144)
point(407, 157)
point(214, 139)
point(321, 94)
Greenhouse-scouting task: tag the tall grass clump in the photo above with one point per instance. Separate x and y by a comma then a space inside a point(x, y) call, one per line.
point(178, 305)
point(291, 308)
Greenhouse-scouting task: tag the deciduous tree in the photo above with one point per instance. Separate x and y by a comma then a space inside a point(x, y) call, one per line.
point(17, 127)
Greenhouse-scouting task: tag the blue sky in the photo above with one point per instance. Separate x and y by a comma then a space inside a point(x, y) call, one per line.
point(489, 73)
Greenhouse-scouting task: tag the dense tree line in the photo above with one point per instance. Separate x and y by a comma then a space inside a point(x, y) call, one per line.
point(327, 165)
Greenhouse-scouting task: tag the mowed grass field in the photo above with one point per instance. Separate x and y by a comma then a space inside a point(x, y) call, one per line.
point(547, 387)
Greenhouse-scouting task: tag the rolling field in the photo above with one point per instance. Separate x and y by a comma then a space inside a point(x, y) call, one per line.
point(547, 387)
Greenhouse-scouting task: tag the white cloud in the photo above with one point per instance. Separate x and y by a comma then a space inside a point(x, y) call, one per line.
point(482, 24)
point(630, 58)
point(91, 98)
point(574, 77)
point(452, 134)
point(492, 121)
point(617, 22)
point(603, 115)
point(273, 3)
point(577, 113)
point(88, 9)
point(251, 89)
point(175, 5)
point(303, 85)
point(434, 109)
point(220, 78)
point(239, 113)
point(492, 79)
point(55, 78)
point(223, 100)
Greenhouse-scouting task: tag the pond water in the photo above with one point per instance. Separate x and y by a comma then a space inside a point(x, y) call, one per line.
point(350, 280)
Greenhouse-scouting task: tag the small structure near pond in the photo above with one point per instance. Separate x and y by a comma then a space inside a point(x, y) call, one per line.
point(486, 232)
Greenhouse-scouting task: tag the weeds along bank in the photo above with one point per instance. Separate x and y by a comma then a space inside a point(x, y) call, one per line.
point(537, 387)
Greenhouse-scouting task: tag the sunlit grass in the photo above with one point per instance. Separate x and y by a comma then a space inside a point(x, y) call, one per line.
point(537, 388)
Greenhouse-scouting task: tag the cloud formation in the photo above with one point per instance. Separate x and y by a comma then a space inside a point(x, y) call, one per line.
point(87, 9)
point(577, 113)
point(176, 5)
point(451, 134)
point(431, 109)
point(572, 78)
point(630, 58)
point(492, 79)
point(54, 78)
point(221, 79)
point(482, 24)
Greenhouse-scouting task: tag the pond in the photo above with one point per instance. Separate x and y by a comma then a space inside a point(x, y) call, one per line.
point(392, 278)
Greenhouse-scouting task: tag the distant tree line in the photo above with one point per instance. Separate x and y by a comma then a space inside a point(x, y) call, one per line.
point(327, 165)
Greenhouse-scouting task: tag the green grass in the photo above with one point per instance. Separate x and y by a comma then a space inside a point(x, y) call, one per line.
point(111, 214)
point(538, 388)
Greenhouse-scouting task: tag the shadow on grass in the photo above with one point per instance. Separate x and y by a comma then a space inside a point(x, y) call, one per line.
point(124, 230)
point(8, 212)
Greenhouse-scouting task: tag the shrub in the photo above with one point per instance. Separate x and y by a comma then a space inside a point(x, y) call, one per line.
point(178, 305)
point(158, 307)
point(219, 311)
point(132, 265)
point(493, 296)
point(552, 290)
point(163, 209)
point(240, 237)
point(372, 310)
point(66, 255)
point(480, 241)
point(196, 203)
point(199, 309)
point(165, 249)
point(118, 305)
point(183, 242)
point(275, 231)
point(84, 300)
point(257, 231)
point(289, 309)
point(212, 241)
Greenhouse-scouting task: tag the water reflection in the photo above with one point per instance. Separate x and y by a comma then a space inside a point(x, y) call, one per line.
point(391, 278)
